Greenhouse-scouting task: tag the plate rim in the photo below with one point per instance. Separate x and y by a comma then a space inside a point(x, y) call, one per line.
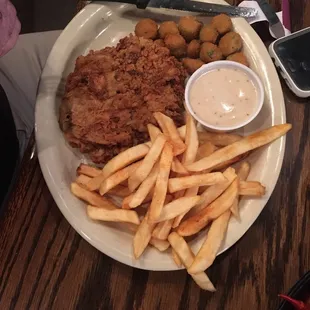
point(81, 16)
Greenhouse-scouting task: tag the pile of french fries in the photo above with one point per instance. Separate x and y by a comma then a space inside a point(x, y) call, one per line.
point(174, 186)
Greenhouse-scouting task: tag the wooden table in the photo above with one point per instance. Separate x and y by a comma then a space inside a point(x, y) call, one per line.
point(45, 264)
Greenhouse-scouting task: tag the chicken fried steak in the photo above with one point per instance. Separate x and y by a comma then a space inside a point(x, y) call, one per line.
point(112, 93)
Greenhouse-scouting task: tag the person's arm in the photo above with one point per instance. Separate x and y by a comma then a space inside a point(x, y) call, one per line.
point(9, 26)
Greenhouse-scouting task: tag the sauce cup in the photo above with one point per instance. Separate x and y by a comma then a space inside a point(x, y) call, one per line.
point(251, 76)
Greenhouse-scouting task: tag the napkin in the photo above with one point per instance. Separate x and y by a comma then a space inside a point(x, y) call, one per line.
point(283, 15)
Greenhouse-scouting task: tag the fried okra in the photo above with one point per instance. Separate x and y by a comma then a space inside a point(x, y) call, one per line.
point(189, 27)
point(230, 43)
point(239, 57)
point(168, 27)
point(176, 44)
point(191, 65)
point(210, 52)
point(222, 23)
point(208, 34)
point(193, 49)
point(146, 28)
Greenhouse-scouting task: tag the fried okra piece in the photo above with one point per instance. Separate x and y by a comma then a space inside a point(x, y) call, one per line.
point(168, 27)
point(208, 34)
point(193, 49)
point(210, 52)
point(189, 27)
point(222, 23)
point(146, 28)
point(239, 57)
point(176, 44)
point(191, 65)
point(230, 43)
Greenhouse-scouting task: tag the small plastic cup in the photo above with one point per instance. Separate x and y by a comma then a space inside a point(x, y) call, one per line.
point(219, 65)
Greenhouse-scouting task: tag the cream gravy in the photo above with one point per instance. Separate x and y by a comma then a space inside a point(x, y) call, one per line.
point(224, 97)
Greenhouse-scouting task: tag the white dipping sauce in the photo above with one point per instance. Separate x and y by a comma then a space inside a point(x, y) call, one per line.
point(224, 97)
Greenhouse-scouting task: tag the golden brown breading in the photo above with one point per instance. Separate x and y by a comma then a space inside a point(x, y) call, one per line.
point(222, 23)
point(146, 28)
point(208, 34)
point(239, 57)
point(191, 65)
point(176, 45)
point(168, 27)
point(230, 43)
point(112, 94)
point(210, 52)
point(189, 27)
point(193, 49)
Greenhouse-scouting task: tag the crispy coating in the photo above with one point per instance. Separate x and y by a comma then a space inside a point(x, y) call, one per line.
point(111, 95)
point(146, 28)
point(208, 34)
point(160, 42)
point(189, 27)
point(222, 23)
point(193, 49)
point(176, 44)
point(191, 65)
point(239, 57)
point(210, 52)
point(230, 43)
point(168, 27)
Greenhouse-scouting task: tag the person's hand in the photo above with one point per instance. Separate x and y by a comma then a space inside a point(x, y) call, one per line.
point(9, 26)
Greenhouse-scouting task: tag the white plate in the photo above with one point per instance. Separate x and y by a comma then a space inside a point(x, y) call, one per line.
point(98, 26)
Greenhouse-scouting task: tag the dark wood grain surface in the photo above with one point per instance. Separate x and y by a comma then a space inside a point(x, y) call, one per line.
point(45, 264)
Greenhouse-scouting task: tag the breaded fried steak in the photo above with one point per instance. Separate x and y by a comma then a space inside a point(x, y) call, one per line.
point(112, 93)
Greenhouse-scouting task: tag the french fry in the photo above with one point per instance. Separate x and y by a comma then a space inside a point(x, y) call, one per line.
point(176, 258)
point(140, 173)
point(82, 180)
point(178, 167)
point(243, 173)
point(162, 230)
point(218, 138)
point(126, 201)
point(153, 132)
point(176, 207)
point(160, 245)
point(214, 191)
point(191, 141)
point(251, 188)
point(142, 236)
point(242, 146)
point(117, 178)
point(160, 190)
point(144, 189)
point(118, 162)
point(207, 253)
point(190, 192)
point(88, 170)
point(170, 131)
point(177, 184)
point(182, 132)
point(197, 222)
point(91, 197)
point(234, 209)
point(186, 255)
point(118, 215)
point(205, 150)
point(119, 190)
point(230, 162)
